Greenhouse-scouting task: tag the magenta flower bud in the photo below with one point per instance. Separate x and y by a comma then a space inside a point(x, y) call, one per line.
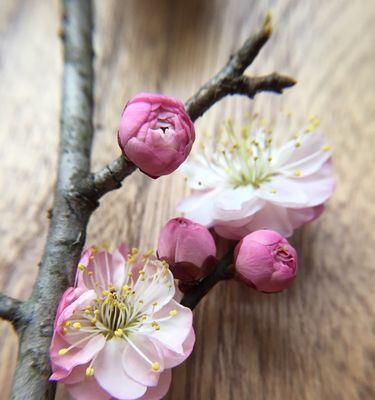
point(156, 133)
point(188, 248)
point(265, 261)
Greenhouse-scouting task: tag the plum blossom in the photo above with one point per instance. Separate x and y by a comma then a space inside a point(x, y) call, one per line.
point(251, 181)
point(119, 331)
point(264, 260)
point(155, 133)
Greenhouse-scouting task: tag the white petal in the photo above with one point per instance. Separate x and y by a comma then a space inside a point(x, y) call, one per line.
point(173, 331)
point(136, 366)
point(237, 204)
point(199, 206)
point(272, 217)
point(306, 159)
point(157, 289)
point(110, 374)
point(284, 191)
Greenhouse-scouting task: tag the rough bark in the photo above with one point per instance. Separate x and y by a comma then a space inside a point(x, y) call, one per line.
point(78, 191)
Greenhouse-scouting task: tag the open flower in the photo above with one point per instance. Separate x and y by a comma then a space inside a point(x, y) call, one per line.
point(156, 133)
point(188, 248)
point(265, 261)
point(251, 182)
point(119, 331)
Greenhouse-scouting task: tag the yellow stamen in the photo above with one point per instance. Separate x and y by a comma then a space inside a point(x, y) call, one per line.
point(134, 251)
point(63, 351)
point(119, 332)
point(81, 267)
point(155, 366)
point(77, 325)
point(326, 147)
point(172, 313)
point(297, 172)
point(89, 371)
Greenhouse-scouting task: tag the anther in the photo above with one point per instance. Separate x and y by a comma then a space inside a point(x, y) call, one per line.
point(81, 267)
point(77, 326)
point(62, 351)
point(297, 172)
point(155, 366)
point(89, 371)
point(326, 147)
point(172, 313)
point(119, 332)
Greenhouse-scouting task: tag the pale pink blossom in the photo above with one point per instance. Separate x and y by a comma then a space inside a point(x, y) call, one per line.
point(250, 181)
point(156, 133)
point(119, 331)
point(265, 261)
point(188, 248)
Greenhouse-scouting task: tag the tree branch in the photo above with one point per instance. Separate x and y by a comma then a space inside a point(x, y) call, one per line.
point(10, 309)
point(228, 81)
point(221, 272)
point(71, 210)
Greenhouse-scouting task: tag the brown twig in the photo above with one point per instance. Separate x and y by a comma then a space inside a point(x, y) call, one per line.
point(221, 272)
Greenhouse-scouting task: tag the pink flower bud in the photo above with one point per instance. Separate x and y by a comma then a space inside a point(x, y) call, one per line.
point(265, 261)
point(155, 133)
point(188, 248)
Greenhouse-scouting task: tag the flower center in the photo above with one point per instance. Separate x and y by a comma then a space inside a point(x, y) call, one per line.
point(246, 160)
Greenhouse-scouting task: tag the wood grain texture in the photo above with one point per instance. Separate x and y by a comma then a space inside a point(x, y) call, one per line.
point(316, 340)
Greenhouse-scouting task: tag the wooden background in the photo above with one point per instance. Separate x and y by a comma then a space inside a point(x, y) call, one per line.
point(316, 340)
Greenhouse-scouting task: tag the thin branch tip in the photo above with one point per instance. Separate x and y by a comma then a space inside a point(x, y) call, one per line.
point(267, 24)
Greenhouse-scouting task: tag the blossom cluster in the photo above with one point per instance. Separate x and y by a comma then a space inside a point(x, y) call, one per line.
point(121, 328)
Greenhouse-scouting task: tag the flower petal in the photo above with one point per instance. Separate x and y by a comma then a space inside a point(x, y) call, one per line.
point(172, 359)
point(110, 374)
point(87, 389)
point(136, 366)
point(78, 355)
point(158, 392)
point(174, 330)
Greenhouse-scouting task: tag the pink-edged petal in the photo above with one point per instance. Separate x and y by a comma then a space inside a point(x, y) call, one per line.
point(172, 359)
point(110, 374)
point(199, 173)
point(87, 389)
point(274, 218)
point(199, 207)
point(318, 187)
point(158, 392)
point(284, 192)
point(155, 293)
point(78, 304)
point(301, 216)
point(78, 355)
point(174, 330)
point(232, 232)
point(136, 366)
point(70, 295)
point(237, 204)
point(308, 157)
